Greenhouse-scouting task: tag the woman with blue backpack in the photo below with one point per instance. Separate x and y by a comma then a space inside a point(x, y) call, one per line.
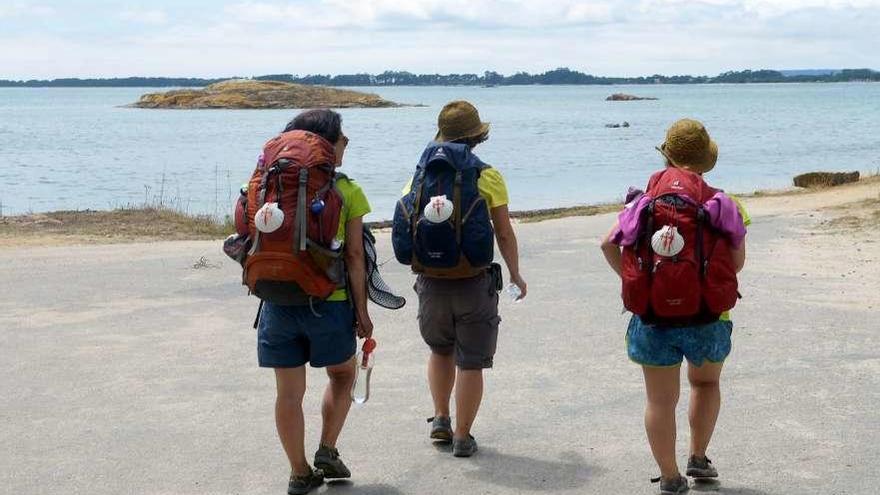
point(445, 227)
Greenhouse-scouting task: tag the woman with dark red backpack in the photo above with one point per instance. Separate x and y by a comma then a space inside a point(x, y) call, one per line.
point(677, 248)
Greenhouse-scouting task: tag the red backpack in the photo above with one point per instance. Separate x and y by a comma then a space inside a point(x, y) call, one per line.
point(692, 280)
point(298, 261)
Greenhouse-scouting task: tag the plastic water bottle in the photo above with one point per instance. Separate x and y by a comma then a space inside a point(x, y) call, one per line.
point(513, 292)
point(360, 390)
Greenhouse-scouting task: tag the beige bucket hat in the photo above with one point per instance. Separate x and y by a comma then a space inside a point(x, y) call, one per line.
point(689, 146)
point(458, 120)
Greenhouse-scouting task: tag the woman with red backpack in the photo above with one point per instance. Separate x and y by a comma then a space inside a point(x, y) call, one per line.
point(677, 248)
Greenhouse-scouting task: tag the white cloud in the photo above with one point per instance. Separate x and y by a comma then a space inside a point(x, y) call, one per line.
point(154, 16)
point(762, 9)
point(11, 9)
point(400, 15)
point(606, 37)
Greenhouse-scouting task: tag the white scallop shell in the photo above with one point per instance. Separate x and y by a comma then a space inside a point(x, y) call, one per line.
point(667, 241)
point(438, 210)
point(269, 218)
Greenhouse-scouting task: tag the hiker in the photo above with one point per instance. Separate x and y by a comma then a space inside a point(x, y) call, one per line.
point(314, 319)
point(677, 247)
point(445, 227)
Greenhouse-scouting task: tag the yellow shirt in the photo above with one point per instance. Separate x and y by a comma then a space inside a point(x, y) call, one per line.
point(354, 205)
point(491, 185)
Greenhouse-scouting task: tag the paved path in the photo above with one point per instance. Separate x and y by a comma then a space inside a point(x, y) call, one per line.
point(125, 370)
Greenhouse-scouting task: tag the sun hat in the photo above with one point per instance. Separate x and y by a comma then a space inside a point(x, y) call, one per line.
point(458, 120)
point(689, 146)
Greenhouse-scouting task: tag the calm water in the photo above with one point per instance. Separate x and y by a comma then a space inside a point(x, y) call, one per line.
point(77, 149)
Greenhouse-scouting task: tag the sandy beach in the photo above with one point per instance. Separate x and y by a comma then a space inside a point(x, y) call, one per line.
point(131, 368)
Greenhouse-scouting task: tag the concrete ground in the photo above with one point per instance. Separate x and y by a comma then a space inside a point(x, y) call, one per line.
point(125, 369)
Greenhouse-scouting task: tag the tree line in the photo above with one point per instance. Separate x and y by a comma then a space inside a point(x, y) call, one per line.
point(489, 78)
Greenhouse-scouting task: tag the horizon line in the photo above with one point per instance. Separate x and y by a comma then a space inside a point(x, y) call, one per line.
point(403, 71)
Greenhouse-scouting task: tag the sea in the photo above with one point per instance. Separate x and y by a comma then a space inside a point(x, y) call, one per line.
point(76, 149)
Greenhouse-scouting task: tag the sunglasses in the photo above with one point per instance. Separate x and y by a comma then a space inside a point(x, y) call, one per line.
point(344, 139)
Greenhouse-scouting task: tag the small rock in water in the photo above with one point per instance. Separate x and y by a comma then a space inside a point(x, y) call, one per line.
point(626, 97)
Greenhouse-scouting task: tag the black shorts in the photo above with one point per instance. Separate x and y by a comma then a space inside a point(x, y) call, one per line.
point(291, 336)
point(460, 316)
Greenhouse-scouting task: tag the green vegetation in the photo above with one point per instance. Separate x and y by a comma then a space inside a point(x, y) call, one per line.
point(489, 78)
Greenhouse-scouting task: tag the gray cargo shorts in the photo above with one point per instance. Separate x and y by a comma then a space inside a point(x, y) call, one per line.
point(460, 316)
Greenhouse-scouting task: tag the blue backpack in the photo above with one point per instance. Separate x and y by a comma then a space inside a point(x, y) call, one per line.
point(461, 246)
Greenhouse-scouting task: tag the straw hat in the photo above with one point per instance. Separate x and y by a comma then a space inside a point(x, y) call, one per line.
point(459, 120)
point(689, 146)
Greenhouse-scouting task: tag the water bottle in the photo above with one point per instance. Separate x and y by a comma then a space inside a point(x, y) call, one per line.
point(513, 292)
point(360, 389)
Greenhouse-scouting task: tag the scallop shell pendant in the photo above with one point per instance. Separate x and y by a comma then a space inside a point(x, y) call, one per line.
point(667, 241)
point(269, 218)
point(438, 209)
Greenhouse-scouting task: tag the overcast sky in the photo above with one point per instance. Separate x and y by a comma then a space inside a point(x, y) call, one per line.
point(93, 38)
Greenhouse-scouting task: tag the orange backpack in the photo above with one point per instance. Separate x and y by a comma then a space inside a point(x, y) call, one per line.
point(299, 261)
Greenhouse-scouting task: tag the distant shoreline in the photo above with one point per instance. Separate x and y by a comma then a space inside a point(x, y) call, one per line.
point(489, 79)
point(791, 83)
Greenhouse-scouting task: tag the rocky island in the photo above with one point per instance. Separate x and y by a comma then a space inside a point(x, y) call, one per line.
point(250, 94)
point(626, 97)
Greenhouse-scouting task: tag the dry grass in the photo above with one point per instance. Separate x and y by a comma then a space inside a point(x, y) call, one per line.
point(865, 179)
point(532, 216)
point(120, 225)
point(155, 224)
point(859, 216)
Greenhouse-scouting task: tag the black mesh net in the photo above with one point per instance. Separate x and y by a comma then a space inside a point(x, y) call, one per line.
point(378, 291)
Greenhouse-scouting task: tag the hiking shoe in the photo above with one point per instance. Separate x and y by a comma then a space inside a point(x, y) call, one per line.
point(701, 468)
point(328, 461)
point(464, 447)
point(676, 485)
point(441, 428)
point(300, 485)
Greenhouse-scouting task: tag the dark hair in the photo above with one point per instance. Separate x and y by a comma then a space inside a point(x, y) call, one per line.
point(473, 140)
point(323, 122)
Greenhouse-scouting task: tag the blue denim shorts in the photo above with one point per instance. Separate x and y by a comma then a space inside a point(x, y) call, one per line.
point(291, 336)
point(651, 345)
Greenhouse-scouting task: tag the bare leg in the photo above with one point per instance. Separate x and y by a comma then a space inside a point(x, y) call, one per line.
point(337, 401)
point(441, 379)
point(705, 402)
point(291, 386)
point(468, 394)
point(662, 387)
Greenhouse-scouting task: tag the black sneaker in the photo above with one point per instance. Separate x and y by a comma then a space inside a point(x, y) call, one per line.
point(328, 461)
point(441, 428)
point(300, 485)
point(673, 486)
point(464, 447)
point(701, 468)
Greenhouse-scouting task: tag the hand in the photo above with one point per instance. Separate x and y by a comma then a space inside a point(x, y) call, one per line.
point(364, 326)
point(523, 287)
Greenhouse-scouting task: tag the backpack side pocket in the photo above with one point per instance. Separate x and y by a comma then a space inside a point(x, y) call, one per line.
point(401, 231)
point(477, 234)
